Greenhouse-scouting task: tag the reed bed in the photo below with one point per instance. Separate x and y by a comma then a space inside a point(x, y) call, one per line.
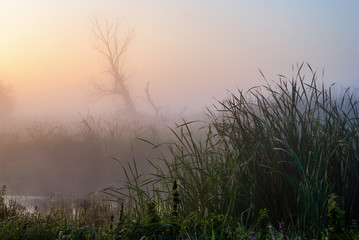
point(279, 161)
point(285, 150)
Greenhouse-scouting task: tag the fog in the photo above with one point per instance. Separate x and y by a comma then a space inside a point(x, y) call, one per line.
point(192, 54)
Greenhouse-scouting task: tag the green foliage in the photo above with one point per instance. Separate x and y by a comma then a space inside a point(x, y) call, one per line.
point(7, 209)
point(3, 208)
point(335, 218)
point(263, 223)
point(151, 212)
point(284, 147)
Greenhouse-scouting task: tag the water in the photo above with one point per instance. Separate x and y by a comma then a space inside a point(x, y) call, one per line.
point(31, 204)
point(28, 203)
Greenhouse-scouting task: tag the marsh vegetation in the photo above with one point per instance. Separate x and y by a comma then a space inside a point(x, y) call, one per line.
point(279, 161)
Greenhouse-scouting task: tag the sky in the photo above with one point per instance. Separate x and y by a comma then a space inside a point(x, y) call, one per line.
point(192, 52)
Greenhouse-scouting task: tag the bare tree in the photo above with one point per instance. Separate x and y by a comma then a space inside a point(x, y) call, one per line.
point(150, 101)
point(7, 103)
point(107, 42)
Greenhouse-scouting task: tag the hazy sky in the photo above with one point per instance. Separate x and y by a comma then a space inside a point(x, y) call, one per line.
point(190, 51)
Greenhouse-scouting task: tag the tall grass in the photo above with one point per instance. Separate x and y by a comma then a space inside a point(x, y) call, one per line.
point(284, 146)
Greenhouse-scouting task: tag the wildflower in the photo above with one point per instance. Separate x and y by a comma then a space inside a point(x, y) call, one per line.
point(282, 227)
point(251, 238)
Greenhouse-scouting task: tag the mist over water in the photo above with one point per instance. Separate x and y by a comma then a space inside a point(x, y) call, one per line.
point(61, 137)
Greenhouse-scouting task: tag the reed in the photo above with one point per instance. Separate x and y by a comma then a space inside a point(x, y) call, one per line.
point(284, 147)
point(279, 161)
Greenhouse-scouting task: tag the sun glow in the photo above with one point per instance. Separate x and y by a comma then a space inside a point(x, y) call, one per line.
point(45, 46)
